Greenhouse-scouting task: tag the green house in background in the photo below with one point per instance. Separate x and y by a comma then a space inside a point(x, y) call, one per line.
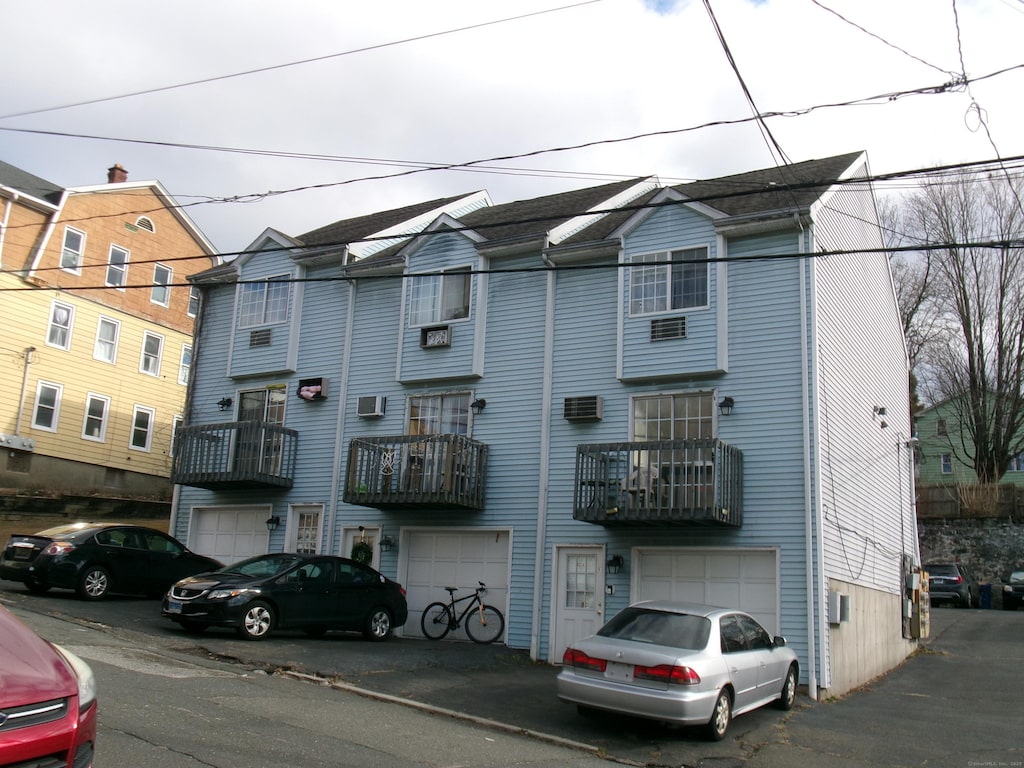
point(944, 450)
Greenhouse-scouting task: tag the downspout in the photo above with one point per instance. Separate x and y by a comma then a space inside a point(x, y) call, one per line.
point(24, 387)
point(339, 426)
point(809, 529)
point(544, 457)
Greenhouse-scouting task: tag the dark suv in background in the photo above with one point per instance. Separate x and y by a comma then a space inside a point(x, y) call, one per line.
point(951, 583)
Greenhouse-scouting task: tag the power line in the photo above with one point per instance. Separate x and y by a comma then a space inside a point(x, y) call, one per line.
point(273, 67)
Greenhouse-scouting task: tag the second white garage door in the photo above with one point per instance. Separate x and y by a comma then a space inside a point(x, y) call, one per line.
point(435, 559)
point(745, 579)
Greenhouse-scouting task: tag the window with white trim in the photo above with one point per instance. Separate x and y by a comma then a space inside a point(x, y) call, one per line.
point(161, 292)
point(71, 253)
point(688, 416)
point(264, 302)
point(62, 317)
point(193, 301)
point(439, 298)
point(176, 424)
point(142, 428)
point(117, 267)
point(668, 280)
point(97, 407)
point(107, 333)
point(946, 461)
point(47, 411)
point(439, 415)
point(185, 366)
point(152, 352)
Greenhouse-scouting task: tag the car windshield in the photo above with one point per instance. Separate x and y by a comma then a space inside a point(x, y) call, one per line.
point(1017, 577)
point(264, 565)
point(641, 625)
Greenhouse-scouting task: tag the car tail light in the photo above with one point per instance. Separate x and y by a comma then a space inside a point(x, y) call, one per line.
point(55, 548)
point(667, 673)
point(574, 658)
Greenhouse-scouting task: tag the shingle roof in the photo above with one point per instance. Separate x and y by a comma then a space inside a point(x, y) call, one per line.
point(770, 189)
point(352, 230)
point(15, 178)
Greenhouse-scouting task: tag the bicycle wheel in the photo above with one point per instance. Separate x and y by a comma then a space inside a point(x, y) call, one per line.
point(485, 628)
point(436, 621)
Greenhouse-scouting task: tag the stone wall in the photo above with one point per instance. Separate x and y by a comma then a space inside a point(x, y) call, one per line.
point(988, 547)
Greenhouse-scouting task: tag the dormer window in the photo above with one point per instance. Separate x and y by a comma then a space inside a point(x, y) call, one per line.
point(440, 297)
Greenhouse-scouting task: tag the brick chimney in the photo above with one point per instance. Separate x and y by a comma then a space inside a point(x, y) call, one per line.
point(116, 174)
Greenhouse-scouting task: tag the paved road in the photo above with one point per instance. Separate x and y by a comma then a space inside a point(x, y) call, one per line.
point(955, 703)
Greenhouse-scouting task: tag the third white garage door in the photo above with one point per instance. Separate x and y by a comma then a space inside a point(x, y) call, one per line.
point(746, 579)
point(435, 559)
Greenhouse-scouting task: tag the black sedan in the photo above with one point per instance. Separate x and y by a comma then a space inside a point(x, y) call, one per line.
point(314, 593)
point(1013, 590)
point(95, 559)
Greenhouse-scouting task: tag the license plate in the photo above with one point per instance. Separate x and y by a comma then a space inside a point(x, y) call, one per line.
point(618, 671)
point(173, 606)
point(22, 554)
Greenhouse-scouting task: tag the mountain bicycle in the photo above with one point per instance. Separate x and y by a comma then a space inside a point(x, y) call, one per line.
point(484, 623)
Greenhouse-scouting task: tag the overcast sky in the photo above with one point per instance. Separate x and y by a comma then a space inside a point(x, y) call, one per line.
point(393, 85)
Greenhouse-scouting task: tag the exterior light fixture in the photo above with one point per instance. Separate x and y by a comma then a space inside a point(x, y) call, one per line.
point(478, 405)
point(386, 544)
point(272, 522)
point(615, 563)
point(725, 406)
point(224, 403)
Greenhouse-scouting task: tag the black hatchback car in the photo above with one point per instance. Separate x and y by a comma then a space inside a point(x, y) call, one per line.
point(95, 559)
point(951, 583)
point(1013, 590)
point(314, 593)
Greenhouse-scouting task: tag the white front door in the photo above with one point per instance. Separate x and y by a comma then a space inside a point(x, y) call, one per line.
point(367, 535)
point(579, 597)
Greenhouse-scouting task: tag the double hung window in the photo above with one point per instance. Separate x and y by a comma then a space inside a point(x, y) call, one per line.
point(193, 301)
point(59, 332)
point(152, 352)
point(440, 298)
point(117, 267)
point(142, 428)
point(185, 366)
point(264, 302)
point(71, 253)
point(161, 292)
point(47, 408)
point(96, 409)
point(107, 331)
point(668, 280)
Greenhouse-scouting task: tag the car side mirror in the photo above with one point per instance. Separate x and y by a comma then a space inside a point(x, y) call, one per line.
point(780, 641)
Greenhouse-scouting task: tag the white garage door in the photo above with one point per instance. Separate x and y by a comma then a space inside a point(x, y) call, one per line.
point(733, 578)
point(229, 534)
point(435, 559)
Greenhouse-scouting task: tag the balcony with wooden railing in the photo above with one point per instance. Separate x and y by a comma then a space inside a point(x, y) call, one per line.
point(416, 471)
point(671, 482)
point(235, 455)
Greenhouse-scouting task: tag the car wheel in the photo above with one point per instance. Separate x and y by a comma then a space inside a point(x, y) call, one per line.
point(36, 588)
point(721, 715)
point(258, 621)
point(378, 625)
point(967, 602)
point(94, 583)
point(785, 701)
point(193, 627)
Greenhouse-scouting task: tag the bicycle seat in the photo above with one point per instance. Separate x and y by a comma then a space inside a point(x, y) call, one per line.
point(452, 590)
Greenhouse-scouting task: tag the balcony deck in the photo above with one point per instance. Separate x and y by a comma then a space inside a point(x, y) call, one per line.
point(672, 482)
point(236, 454)
point(416, 471)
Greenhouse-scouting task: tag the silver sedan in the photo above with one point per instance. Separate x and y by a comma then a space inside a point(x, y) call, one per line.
point(680, 663)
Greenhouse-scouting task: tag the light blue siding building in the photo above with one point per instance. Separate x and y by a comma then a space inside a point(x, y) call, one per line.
point(624, 392)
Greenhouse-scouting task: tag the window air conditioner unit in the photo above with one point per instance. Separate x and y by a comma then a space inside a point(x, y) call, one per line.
point(587, 408)
point(371, 406)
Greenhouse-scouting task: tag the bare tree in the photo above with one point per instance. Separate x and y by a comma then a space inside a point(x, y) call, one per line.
point(973, 225)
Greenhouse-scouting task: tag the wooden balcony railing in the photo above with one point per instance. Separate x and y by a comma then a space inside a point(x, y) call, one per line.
point(237, 454)
point(673, 482)
point(416, 471)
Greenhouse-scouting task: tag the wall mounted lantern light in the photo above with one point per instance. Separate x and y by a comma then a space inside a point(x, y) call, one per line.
point(224, 403)
point(725, 406)
point(478, 405)
point(272, 522)
point(386, 544)
point(615, 563)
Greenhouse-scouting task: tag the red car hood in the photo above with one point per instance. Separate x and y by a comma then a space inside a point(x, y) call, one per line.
point(30, 669)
